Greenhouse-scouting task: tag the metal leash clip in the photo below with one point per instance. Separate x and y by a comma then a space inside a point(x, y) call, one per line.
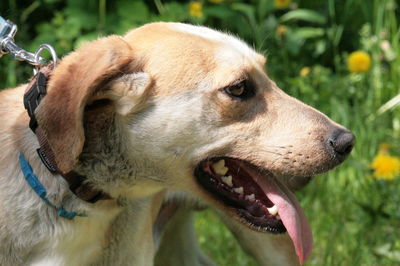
point(7, 45)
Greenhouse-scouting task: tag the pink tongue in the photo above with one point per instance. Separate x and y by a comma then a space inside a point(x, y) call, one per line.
point(292, 216)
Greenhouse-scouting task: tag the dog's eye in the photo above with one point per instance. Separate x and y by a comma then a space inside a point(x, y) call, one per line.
point(236, 90)
point(242, 90)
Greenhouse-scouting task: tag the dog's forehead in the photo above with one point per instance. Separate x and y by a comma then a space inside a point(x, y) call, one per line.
point(180, 55)
point(227, 42)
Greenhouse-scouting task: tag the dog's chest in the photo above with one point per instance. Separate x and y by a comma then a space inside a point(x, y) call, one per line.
point(78, 242)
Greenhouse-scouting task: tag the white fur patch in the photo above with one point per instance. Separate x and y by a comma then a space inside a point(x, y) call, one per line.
point(225, 39)
point(77, 242)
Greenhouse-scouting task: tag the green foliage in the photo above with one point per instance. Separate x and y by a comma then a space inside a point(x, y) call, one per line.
point(303, 15)
point(355, 218)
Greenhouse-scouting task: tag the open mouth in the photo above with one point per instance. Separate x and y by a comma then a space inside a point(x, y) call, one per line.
point(256, 198)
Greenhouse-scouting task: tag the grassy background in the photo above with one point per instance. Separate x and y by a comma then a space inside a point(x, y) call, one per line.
point(355, 217)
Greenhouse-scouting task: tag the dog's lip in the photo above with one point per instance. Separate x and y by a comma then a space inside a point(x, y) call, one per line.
point(295, 183)
point(242, 195)
point(273, 193)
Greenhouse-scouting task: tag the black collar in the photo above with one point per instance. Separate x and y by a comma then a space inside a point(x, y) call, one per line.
point(35, 92)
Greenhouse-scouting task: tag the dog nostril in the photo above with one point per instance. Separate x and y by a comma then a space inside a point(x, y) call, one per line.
point(331, 143)
point(348, 149)
point(342, 142)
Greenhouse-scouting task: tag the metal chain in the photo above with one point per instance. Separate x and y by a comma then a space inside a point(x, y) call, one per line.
point(7, 46)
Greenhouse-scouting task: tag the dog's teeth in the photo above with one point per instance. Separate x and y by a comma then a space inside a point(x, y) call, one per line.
point(273, 210)
point(227, 180)
point(250, 197)
point(238, 190)
point(219, 167)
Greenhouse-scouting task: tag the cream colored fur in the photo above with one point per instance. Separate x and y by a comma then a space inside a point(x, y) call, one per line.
point(162, 112)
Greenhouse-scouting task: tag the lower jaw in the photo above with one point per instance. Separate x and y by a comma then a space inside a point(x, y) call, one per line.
point(261, 222)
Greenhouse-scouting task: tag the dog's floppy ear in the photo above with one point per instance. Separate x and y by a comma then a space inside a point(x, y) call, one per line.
point(80, 78)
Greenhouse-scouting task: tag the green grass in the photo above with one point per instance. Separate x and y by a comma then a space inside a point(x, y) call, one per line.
point(218, 242)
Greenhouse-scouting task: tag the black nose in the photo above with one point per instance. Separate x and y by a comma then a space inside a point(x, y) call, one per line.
point(341, 142)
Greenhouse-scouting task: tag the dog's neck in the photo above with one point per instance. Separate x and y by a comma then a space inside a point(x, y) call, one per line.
point(102, 158)
point(106, 160)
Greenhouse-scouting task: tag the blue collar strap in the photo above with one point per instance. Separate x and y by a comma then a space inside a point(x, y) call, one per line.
point(40, 190)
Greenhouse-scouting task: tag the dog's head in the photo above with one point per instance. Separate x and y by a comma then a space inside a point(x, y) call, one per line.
point(187, 108)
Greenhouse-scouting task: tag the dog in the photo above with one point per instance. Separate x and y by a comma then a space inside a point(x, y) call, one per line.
point(156, 122)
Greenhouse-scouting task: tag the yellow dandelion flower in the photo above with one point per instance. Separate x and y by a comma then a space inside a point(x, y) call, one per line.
point(196, 9)
point(358, 62)
point(282, 4)
point(385, 166)
point(305, 71)
point(216, 1)
point(281, 30)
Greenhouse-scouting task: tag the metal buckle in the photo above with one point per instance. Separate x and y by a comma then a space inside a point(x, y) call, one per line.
point(7, 45)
